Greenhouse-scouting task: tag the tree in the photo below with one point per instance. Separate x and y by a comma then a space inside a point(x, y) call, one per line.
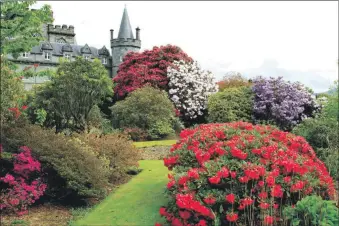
point(189, 88)
point(11, 89)
point(233, 79)
point(148, 67)
point(148, 109)
point(21, 27)
point(70, 95)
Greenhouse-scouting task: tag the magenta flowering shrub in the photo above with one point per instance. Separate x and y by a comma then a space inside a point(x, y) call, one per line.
point(282, 103)
point(18, 188)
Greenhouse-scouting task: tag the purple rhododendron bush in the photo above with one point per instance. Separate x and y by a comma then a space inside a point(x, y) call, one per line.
point(240, 174)
point(281, 102)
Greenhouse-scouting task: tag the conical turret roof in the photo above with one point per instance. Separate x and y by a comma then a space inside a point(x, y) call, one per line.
point(125, 30)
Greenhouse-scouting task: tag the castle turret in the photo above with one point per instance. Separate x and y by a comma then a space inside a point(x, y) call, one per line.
point(124, 43)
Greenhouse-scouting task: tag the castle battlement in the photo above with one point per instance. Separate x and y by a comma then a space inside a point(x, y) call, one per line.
point(58, 29)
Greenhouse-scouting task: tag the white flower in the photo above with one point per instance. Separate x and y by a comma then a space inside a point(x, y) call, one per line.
point(190, 87)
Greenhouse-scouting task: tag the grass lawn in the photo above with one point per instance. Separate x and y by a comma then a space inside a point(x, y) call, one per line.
point(144, 144)
point(134, 203)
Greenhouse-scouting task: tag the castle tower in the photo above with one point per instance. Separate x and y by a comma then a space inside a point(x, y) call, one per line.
point(59, 34)
point(124, 43)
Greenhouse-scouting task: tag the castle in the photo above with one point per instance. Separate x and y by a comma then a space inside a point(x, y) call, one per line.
point(60, 42)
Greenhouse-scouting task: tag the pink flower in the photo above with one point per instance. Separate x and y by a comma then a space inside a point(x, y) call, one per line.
point(230, 198)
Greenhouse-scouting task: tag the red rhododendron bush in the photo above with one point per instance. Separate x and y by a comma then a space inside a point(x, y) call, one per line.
point(240, 174)
point(147, 67)
point(22, 186)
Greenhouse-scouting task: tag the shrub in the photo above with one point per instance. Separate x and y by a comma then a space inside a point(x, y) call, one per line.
point(284, 103)
point(189, 88)
point(148, 67)
point(237, 172)
point(136, 134)
point(312, 211)
point(146, 109)
point(233, 80)
point(71, 94)
point(72, 168)
point(22, 185)
point(232, 104)
point(120, 152)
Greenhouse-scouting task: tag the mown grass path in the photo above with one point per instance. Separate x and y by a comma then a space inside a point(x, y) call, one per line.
point(134, 203)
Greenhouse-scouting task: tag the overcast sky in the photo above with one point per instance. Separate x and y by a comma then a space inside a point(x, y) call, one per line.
point(297, 40)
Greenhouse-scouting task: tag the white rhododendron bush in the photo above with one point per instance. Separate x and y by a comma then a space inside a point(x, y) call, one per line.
point(189, 88)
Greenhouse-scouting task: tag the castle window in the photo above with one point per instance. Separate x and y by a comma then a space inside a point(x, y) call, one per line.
point(86, 57)
point(104, 60)
point(120, 58)
point(47, 56)
point(25, 55)
point(67, 56)
point(61, 40)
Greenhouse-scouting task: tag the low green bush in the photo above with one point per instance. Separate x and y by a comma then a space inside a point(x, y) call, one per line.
point(118, 150)
point(232, 104)
point(147, 109)
point(312, 211)
point(72, 168)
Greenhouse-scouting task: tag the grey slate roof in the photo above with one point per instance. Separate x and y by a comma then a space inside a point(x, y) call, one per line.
point(57, 49)
point(125, 30)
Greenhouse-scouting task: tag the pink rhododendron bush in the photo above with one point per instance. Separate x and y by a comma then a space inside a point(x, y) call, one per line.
point(240, 174)
point(22, 186)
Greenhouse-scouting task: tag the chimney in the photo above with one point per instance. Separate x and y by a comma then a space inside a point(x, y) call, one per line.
point(137, 33)
point(112, 34)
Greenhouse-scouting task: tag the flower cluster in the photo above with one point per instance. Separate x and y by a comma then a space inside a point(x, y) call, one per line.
point(282, 102)
point(18, 190)
point(189, 87)
point(148, 67)
point(239, 172)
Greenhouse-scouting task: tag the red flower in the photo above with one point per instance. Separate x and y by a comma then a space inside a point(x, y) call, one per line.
point(170, 184)
point(261, 183)
point(24, 107)
point(230, 198)
point(287, 180)
point(233, 174)
point(243, 179)
point(223, 173)
point(268, 220)
point(185, 214)
point(176, 222)
point(232, 217)
point(214, 180)
point(263, 195)
point(264, 205)
point(193, 173)
point(210, 200)
point(202, 223)
point(158, 224)
point(277, 191)
point(163, 211)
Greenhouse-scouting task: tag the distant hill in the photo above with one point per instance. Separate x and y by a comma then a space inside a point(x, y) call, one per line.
point(331, 91)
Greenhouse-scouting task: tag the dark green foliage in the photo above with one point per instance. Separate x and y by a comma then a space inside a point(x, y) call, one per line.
point(71, 94)
point(232, 104)
point(23, 25)
point(313, 211)
point(323, 135)
point(148, 109)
